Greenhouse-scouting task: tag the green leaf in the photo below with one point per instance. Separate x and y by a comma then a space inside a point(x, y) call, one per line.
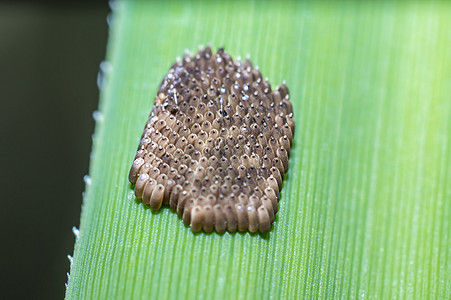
point(365, 210)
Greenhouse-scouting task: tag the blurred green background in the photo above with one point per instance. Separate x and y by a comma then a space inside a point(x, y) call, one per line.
point(49, 58)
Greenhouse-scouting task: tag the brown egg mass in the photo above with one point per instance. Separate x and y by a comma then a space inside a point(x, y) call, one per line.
point(215, 147)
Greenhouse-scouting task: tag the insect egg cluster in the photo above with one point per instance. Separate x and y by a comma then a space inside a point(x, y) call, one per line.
point(215, 147)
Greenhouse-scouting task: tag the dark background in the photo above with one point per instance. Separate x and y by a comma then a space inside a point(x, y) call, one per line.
point(49, 59)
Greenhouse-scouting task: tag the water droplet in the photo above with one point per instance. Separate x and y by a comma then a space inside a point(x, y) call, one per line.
point(76, 232)
point(245, 97)
point(87, 180)
point(97, 116)
point(109, 19)
point(113, 5)
point(104, 68)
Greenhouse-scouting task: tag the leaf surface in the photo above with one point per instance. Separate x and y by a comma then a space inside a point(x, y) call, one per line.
point(365, 210)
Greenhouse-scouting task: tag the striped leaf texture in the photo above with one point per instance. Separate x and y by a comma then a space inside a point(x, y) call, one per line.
point(365, 208)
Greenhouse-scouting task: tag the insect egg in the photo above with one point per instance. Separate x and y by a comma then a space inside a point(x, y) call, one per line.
point(215, 147)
